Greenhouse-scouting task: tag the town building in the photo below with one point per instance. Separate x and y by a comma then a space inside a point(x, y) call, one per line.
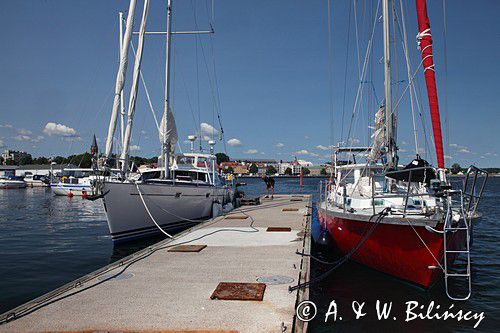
point(294, 166)
point(15, 156)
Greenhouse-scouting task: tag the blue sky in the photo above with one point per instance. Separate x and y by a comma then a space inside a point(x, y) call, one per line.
point(59, 62)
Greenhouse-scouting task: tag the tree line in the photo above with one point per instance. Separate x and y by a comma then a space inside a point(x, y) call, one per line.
point(80, 160)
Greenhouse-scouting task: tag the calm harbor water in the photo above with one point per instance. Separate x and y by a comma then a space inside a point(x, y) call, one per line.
point(46, 241)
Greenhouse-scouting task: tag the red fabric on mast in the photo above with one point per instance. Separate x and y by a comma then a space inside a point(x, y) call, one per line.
point(425, 42)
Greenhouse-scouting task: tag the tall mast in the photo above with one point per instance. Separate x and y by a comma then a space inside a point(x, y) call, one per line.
point(389, 118)
point(425, 44)
point(134, 88)
point(120, 78)
point(165, 144)
point(122, 104)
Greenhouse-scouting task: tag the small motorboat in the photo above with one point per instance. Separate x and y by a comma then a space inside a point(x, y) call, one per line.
point(12, 183)
point(36, 180)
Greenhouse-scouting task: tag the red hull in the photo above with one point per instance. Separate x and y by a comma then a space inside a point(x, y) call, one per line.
point(392, 249)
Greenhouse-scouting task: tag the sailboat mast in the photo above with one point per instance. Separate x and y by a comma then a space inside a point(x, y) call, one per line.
point(120, 78)
point(389, 118)
point(425, 44)
point(134, 88)
point(165, 144)
point(122, 104)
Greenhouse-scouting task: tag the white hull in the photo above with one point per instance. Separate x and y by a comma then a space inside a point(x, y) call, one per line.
point(65, 189)
point(172, 206)
point(12, 184)
point(36, 183)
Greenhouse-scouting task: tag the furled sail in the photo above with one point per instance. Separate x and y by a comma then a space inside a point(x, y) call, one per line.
point(171, 135)
point(378, 135)
point(424, 38)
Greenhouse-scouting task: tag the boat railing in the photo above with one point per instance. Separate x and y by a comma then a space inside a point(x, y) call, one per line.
point(472, 190)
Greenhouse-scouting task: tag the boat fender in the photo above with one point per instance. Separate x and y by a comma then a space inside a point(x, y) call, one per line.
point(216, 209)
point(324, 238)
point(84, 194)
point(70, 194)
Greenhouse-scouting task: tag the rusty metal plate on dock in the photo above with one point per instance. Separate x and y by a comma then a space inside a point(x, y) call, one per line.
point(290, 210)
point(279, 229)
point(295, 199)
point(187, 248)
point(236, 291)
point(236, 217)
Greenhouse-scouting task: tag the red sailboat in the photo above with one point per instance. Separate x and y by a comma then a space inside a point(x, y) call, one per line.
point(404, 221)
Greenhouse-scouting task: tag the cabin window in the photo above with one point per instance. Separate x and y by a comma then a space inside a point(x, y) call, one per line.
point(151, 175)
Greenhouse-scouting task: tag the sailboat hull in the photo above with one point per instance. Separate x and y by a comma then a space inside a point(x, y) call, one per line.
point(174, 207)
point(395, 249)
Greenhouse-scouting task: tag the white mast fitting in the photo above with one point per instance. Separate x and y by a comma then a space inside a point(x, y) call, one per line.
point(133, 89)
point(120, 78)
point(389, 118)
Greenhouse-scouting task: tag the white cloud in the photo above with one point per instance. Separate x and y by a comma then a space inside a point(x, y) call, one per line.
point(208, 129)
point(22, 138)
point(279, 145)
point(302, 152)
point(321, 147)
point(59, 130)
point(6, 126)
point(134, 148)
point(314, 154)
point(448, 157)
point(251, 151)
point(306, 137)
point(234, 142)
point(464, 150)
point(454, 145)
point(23, 131)
point(2, 145)
point(28, 138)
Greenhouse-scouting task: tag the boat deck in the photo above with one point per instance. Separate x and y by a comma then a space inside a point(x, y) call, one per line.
point(157, 289)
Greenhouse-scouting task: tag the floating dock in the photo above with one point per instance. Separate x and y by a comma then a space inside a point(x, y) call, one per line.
point(229, 274)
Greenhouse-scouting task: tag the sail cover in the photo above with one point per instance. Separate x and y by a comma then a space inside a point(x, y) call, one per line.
point(378, 135)
point(171, 135)
point(424, 38)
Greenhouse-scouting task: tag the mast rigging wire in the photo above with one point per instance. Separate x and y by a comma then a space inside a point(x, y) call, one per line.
point(330, 76)
point(345, 71)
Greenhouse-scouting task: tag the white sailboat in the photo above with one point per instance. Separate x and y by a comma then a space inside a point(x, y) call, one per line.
point(184, 189)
